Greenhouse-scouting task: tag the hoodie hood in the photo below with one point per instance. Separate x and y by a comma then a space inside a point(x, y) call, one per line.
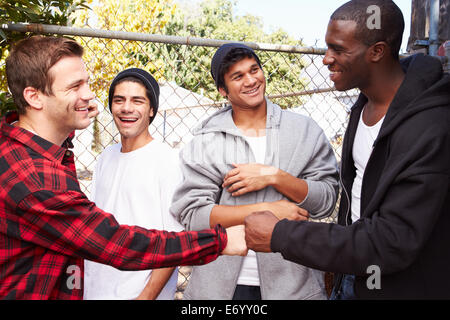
point(425, 86)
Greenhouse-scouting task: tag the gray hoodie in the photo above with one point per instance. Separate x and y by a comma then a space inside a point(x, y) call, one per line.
point(295, 144)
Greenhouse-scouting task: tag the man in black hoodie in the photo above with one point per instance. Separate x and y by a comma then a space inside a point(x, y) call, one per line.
point(393, 233)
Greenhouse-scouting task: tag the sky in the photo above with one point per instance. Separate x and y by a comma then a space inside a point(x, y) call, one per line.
point(305, 19)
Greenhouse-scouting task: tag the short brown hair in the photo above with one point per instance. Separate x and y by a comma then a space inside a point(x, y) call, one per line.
point(29, 62)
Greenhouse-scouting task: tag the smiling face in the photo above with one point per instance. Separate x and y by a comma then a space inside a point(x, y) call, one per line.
point(346, 56)
point(131, 111)
point(66, 108)
point(246, 85)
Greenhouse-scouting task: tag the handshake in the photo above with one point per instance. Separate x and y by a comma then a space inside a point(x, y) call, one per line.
point(254, 234)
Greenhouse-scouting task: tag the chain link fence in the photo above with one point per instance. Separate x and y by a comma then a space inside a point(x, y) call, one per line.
point(296, 77)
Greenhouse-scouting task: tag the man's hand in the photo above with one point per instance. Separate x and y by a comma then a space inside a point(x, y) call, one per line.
point(258, 230)
point(248, 177)
point(245, 178)
point(284, 209)
point(92, 109)
point(236, 241)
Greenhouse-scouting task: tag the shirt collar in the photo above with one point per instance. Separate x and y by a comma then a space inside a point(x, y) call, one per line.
point(44, 147)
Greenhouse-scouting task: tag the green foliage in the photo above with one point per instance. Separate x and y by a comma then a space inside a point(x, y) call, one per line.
point(6, 103)
point(56, 12)
point(188, 66)
point(104, 58)
point(215, 19)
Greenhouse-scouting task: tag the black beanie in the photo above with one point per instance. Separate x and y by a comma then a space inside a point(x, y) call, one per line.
point(147, 79)
point(221, 53)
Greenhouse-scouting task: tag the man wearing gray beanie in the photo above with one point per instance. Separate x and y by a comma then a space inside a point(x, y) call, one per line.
point(49, 224)
point(253, 156)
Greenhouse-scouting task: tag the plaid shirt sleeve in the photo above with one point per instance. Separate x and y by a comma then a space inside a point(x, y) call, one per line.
point(68, 223)
point(48, 226)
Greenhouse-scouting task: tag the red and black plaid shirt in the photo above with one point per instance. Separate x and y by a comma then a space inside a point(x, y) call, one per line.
point(48, 226)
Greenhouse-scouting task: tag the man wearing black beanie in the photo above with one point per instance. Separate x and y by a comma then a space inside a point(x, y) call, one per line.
point(253, 156)
point(49, 224)
point(145, 79)
point(135, 179)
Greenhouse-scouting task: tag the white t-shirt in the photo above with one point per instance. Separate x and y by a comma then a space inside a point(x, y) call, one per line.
point(249, 275)
point(362, 149)
point(137, 188)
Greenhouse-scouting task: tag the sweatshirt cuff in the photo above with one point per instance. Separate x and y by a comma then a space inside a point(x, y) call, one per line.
point(316, 200)
point(279, 236)
point(200, 219)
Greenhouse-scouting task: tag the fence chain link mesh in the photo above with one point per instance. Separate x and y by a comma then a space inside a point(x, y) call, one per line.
point(297, 81)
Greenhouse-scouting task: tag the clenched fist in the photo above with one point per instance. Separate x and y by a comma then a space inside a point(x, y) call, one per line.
point(258, 230)
point(236, 242)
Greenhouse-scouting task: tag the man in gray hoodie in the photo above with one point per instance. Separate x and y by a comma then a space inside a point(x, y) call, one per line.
point(253, 156)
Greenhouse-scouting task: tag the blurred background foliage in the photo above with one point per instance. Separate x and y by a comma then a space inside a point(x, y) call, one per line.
point(213, 19)
point(56, 12)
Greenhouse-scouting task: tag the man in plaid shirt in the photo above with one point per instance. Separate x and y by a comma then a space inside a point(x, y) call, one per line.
point(47, 225)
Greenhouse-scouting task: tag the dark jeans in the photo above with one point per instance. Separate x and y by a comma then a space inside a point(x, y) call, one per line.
point(346, 291)
point(247, 293)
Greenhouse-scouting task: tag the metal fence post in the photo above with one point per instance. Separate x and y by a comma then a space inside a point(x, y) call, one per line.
point(434, 28)
point(306, 89)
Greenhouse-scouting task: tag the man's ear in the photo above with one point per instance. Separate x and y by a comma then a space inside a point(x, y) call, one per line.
point(378, 51)
point(223, 92)
point(33, 98)
point(152, 112)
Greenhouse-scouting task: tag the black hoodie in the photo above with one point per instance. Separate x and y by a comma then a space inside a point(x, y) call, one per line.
point(404, 227)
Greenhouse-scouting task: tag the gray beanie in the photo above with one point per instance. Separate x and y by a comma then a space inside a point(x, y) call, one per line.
point(221, 53)
point(147, 79)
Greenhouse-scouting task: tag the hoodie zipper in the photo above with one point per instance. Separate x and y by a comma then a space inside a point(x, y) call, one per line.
point(346, 195)
point(339, 280)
